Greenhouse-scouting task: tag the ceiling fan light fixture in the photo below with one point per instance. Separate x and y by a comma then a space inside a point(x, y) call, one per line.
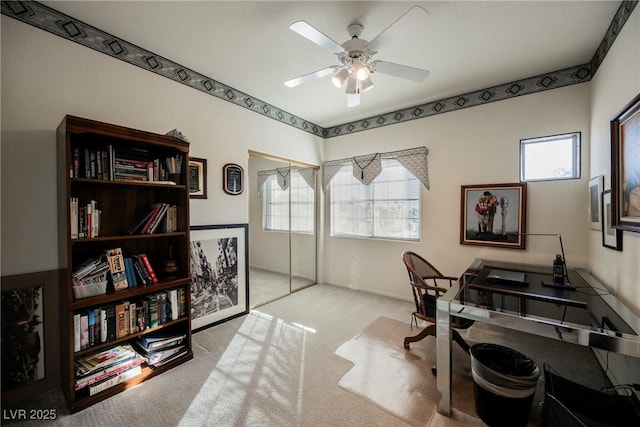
point(353, 85)
point(366, 84)
point(339, 78)
point(363, 72)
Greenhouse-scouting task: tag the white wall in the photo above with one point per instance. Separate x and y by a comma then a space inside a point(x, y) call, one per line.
point(472, 146)
point(45, 77)
point(614, 85)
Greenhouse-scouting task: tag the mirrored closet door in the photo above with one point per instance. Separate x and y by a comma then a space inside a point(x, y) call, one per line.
point(282, 227)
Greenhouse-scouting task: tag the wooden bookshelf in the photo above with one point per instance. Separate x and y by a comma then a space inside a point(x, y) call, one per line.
point(122, 203)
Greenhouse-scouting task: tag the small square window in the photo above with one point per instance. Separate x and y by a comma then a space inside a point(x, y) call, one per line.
point(550, 158)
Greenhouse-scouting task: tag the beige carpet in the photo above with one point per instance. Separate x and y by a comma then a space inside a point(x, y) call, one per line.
point(398, 380)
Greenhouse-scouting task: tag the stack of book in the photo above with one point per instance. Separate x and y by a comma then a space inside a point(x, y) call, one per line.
point(90, 278)
point(84, 218)
point(131, 164)
point(161, 348)
point(108, 368)
point(120, 164)
point(160, 217)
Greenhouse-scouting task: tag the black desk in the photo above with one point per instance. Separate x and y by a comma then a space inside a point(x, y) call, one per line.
point(589, 316)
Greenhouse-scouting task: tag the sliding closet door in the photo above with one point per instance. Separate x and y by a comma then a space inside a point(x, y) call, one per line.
point(269, 253)
point(282, 228)
point(303, 227)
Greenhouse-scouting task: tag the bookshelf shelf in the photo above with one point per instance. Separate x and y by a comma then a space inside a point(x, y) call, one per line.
point(97, 211)
point(128, 293)
point(108, 344)
point(127, 237)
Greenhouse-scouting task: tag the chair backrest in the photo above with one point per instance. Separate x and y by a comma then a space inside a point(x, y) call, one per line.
point(419, 269)
point(423, 279)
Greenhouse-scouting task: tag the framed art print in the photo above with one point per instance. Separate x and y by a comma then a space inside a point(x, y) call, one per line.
point(197, 178)
point(30, 345)
point(493, 215)
point(23, 347)
point(611, 237)
point(219, 273)
point(595, 190)
point(625, 168)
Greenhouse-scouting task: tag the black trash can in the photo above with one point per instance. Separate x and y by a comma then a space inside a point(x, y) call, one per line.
point(504, 384)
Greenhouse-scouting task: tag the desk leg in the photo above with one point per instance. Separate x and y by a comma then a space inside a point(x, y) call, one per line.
point(443, 356)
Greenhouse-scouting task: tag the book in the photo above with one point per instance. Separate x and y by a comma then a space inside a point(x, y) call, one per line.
point(131, 272)
point(154, 357)
point(141, 271)
point(76, 332)
point(109, 371)
point(92, 327)
point(97, 326)
point(76, 163)
point(142, 313)
point(120, 320)
point(127, 319)
point(172, 297)
point(159, 341)
point(153, 311)
point(84, 331)
point(141, 222)
point(117, 269)
point(91, 363)
point(115, 380)
point(103, 324)
point(157, 208)
point(161, 302)
point(90, 266)
point(172, 357)
point(182, 303)
point(158, 219)
point(145, 260)
point(111, 322)
point(73, 217)
point(133, 320)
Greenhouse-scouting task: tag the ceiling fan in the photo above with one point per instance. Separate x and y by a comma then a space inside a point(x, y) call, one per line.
point(355, 55)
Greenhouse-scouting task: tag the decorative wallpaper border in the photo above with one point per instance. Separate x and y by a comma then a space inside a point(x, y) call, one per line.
point(48, 19)
point(62, 25)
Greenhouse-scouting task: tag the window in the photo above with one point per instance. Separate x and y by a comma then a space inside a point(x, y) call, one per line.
point(388, 208)
point(276, 214)
point(550, 157)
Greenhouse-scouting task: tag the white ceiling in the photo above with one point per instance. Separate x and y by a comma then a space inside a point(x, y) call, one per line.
point(467, 45)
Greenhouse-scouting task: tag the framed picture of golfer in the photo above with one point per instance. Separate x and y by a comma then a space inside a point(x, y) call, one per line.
point(493, 215)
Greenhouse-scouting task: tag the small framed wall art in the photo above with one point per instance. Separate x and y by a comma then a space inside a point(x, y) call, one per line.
point(197, 178)
point(595, 191)
point(611, 237)
point(232, 179)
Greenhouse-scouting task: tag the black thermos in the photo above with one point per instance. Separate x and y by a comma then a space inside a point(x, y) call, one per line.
point(558, 270)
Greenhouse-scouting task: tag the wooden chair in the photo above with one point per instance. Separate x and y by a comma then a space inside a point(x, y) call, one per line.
point(425, 282)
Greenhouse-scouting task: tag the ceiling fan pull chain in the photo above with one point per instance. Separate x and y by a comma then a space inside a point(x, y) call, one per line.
point(362, 168)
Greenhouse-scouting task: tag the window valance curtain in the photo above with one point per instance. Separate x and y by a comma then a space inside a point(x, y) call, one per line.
point(283, 176)
point(367, 167)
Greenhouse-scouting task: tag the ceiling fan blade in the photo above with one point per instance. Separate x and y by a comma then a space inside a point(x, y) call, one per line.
point(314, 35)
point(398, 70)
point(413, 18)
point(311, 76)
